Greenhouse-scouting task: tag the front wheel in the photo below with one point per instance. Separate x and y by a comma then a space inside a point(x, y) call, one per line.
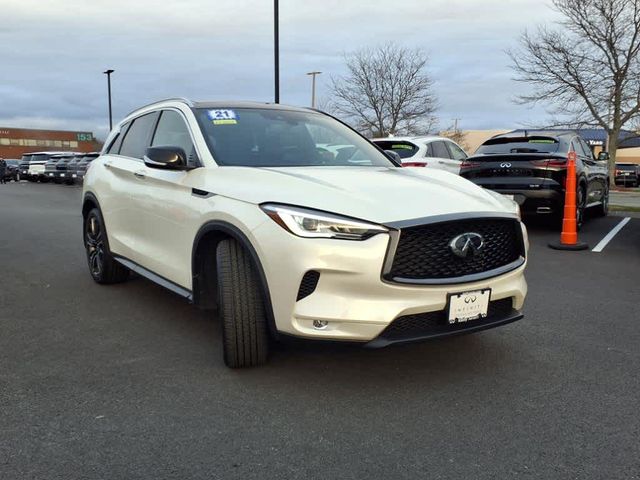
point(241, 307)
point(102, 266)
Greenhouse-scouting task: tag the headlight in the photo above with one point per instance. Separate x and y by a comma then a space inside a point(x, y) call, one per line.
point(313, 224)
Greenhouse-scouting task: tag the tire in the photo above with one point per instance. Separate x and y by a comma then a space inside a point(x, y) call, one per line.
point(245, 335)
point(602, 210)
point(581, 202)
point(102, 266)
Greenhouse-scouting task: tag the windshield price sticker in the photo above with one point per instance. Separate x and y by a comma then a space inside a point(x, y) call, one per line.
point(222, 117)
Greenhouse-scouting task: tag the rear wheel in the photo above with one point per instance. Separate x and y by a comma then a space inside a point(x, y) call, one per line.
point(581, 202)
point(602, 210)
point(241, 307)
point(102, 266)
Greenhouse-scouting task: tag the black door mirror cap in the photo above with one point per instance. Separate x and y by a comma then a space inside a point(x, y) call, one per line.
point(166, 158)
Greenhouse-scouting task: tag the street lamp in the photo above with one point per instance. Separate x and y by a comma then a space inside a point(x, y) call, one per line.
point(276, 52)
point(313, 87)
point(108, 74)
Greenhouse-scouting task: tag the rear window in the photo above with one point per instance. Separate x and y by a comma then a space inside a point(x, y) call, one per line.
point(533, 144)
point(626, 167)
point(39, 158)
point(403, 149)
point(26, 158)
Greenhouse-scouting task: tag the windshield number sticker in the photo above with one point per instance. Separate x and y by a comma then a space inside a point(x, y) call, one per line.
point(222, 117)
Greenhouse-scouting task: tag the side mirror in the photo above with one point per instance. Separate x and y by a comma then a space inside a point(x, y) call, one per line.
point(603, 156)
point(394, 156)
point(166, 158)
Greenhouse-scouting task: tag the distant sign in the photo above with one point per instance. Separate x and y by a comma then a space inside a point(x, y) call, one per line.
point(84, 137)
point(595, 143)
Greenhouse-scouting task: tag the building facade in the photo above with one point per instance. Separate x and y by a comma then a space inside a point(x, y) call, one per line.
point(14, 142)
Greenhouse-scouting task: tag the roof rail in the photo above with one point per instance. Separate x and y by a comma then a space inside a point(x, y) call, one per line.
point(175, 99)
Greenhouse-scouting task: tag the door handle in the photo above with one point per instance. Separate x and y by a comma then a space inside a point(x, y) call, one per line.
point(140, 174)
point(107, 164)
point(440, 161)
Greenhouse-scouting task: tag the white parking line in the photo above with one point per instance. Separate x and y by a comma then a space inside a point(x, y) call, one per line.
point(603, 243)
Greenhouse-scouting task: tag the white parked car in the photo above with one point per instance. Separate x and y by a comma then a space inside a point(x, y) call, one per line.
point(242, 208)
point(430, 151)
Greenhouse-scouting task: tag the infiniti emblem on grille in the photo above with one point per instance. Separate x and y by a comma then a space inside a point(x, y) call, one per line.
point(467, 245)
point(505, 165)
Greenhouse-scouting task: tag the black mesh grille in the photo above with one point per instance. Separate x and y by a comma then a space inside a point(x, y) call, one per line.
point(308, 284)
point(434, 323)
point(423, 252)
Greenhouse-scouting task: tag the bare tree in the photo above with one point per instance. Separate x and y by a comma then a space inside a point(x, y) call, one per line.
point(589, 69)
point(386, 91)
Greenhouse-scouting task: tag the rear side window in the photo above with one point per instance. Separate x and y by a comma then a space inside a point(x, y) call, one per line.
point(117, 142)
point(404, 149)
point(440, 149)
point(138, 136)
point(456, 152)
point(533, 144)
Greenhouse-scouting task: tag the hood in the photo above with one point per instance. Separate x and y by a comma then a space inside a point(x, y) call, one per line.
point(376, 194)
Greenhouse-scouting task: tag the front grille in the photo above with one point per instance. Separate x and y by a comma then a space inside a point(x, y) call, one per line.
point(308, 284)
point(423, 252)
point(435, 323)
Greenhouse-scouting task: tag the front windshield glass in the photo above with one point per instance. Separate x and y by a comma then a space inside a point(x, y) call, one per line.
point(254, 137)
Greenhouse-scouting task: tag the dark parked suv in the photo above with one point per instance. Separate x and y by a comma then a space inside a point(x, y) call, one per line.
point(12, 171)
point(627, 174)
point(531, 166)
point(23, 166)
point(83, 164)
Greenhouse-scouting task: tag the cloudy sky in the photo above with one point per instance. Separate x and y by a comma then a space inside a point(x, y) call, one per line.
point(54, 52)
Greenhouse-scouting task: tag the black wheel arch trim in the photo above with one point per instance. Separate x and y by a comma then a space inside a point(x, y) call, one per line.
point(90, 196)
point(237, 234)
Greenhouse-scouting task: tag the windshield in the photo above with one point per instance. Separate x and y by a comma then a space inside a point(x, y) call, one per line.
point(502, 145)
point(629, 168)
point(255, 137)
point(403, 149)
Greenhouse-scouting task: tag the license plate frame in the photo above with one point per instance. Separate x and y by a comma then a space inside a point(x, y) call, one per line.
point(460, 306)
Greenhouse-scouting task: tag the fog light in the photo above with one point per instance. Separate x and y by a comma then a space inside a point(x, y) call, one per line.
point(320, 324)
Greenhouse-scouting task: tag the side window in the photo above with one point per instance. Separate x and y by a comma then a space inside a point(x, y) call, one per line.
point(172, 131)
point(138, 136)
point(429, 152)
point(456, 152)
point(115, 145)
point(587, 149)
point(440, 149)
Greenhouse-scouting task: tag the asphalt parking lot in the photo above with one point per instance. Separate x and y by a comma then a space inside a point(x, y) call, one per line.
point(127, 381)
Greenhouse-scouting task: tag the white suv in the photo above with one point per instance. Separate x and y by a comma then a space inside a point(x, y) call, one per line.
point(429, 151)
point(241, 207)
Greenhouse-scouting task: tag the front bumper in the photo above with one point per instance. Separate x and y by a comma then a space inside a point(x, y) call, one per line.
point(350, 294)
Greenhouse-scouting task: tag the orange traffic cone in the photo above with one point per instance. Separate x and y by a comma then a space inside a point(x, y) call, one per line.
point(569, 235)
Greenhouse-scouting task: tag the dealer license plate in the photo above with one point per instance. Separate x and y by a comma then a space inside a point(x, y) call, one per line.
point(468, 305)
point(62, 174)
point(51, 174)
point(73, 175)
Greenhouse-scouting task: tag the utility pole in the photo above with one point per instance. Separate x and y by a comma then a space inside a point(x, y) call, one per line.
point(108, 74)
point(276, 51)
point(313, 87)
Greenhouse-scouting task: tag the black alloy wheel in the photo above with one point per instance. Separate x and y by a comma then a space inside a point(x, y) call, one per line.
point(102, 266)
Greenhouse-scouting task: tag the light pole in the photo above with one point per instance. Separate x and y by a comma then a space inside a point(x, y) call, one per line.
point(313, 87)
point(276, 52)
point(108, 74)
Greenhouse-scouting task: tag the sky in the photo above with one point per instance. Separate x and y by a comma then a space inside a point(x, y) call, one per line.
point(54, 53)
